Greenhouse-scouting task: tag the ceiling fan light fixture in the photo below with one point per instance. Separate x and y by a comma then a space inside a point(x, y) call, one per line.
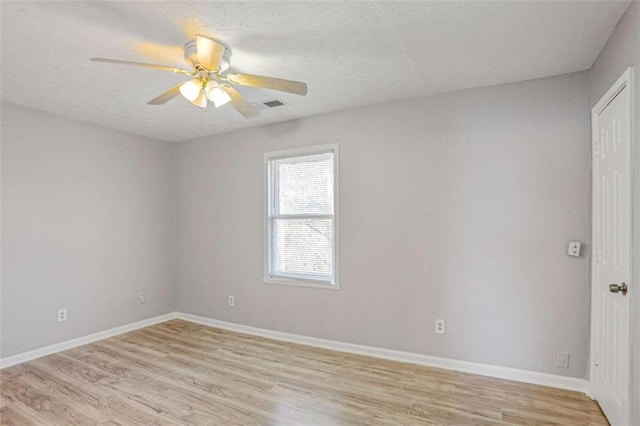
point(200, 100)
point(191, 89)
point(218, 96)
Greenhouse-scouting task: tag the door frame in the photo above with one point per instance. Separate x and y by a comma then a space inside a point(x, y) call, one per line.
point(625, 80)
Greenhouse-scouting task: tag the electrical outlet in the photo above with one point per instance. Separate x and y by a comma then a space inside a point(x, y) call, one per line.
point(439, 329)
point(232, 301)
point(62, 314)
point(141, 298)
point(562, 360)
point(574, 248)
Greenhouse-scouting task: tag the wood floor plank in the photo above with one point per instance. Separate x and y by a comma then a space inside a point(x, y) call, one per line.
point(181, 373)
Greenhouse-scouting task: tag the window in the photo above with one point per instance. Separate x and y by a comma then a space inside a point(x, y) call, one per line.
point(301, 221)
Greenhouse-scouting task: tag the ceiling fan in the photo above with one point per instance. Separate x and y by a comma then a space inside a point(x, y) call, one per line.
point(210, 60)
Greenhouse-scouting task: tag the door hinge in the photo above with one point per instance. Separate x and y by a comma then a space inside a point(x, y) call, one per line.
point(596, 149)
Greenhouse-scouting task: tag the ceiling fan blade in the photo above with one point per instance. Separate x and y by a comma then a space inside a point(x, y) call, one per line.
point(166, 96)
point(290, 86)
point(210, 52)
point(142, 64)
point(240, 103)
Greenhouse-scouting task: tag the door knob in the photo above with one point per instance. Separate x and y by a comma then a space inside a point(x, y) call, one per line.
point(618, 288)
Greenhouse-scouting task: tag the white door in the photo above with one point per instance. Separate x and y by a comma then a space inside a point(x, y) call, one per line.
point(611, 264)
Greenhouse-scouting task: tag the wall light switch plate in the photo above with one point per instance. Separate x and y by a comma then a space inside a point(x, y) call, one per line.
point(574, 248)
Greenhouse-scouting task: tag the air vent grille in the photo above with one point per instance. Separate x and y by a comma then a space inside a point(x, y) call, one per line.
point(271, 103)
point(274, 103)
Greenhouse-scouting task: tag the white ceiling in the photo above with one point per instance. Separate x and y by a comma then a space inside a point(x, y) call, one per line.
point(350, 53)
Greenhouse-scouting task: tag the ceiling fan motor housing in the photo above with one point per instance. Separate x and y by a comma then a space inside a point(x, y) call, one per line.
point(191, 55)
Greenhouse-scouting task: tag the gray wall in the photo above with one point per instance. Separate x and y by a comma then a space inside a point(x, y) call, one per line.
point(86, 225)
point(457, 207)
point(621, 51)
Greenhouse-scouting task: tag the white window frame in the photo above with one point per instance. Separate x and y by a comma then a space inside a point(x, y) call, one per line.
point(269, 199)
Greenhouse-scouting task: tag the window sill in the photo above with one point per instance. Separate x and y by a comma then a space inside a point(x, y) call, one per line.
point(300, 283)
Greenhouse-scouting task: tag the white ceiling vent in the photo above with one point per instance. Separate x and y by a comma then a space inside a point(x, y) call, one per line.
point(268, 104)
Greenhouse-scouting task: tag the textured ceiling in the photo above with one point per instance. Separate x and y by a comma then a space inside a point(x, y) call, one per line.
point(350, 53)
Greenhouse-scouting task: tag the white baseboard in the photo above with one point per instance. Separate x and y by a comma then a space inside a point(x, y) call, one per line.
point(526, 376)
point(84, 340)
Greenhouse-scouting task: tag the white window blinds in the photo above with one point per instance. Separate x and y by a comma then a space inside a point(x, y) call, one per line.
point(301, 220)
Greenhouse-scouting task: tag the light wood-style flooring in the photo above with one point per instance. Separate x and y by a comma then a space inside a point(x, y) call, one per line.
point(180, 373)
